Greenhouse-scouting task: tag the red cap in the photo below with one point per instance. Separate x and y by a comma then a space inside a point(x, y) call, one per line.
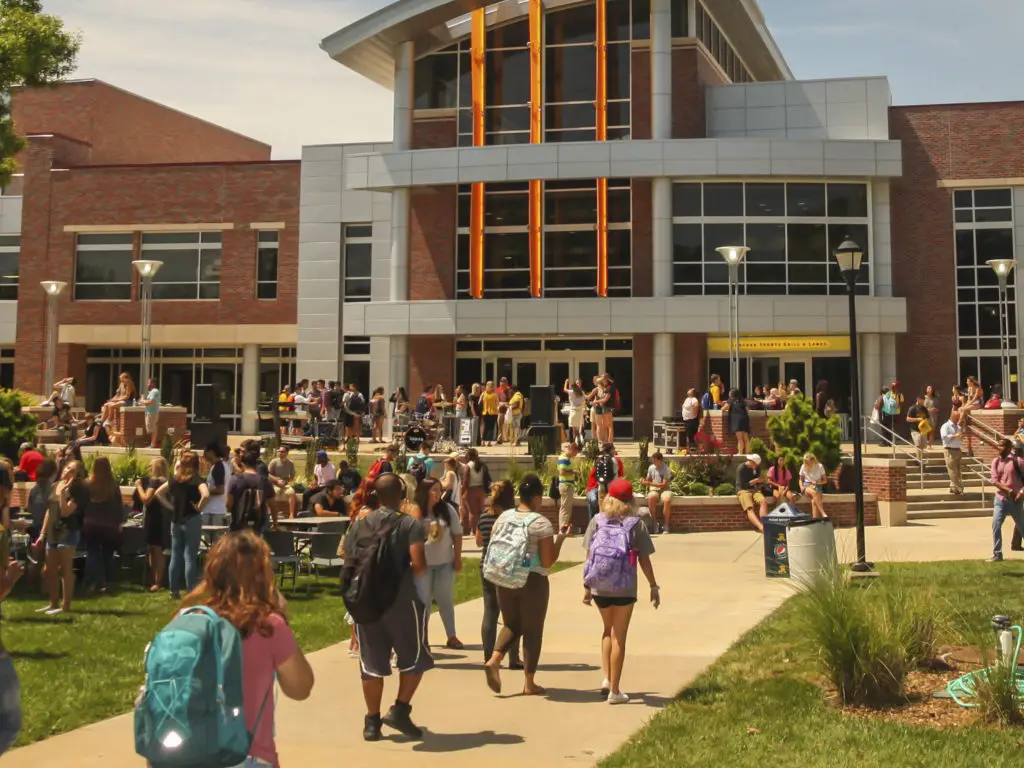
point(621, 489)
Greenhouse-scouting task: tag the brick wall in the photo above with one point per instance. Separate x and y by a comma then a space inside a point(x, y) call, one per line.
point(716, 423)
point(692, 71)
point(431, 361)
point(980, 440)
point(432, 220)
point(434, 132)
point(940, 142)
point(235, 193)
point(643, 389)
point(642, 245)
point(691, 364)
point(640, 94)
point(123, 128)
point(724, 514)
point(885, 479)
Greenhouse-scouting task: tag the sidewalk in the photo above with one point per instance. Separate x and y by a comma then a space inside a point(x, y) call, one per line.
point(713, 588)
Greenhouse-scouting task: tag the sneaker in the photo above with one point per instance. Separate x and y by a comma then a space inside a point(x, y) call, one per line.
point(53, 611)
point(606, 688)
point(618, 698)
point(398, 717)
point(371, 728)
point(995, 559)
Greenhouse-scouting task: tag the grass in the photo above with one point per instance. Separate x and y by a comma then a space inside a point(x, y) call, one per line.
point(759, 704)
point(87, 667)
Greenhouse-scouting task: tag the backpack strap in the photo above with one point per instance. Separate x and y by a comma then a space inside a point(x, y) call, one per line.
point(259, 715)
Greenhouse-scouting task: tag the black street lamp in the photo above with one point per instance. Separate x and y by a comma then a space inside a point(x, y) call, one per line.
point(849, 257)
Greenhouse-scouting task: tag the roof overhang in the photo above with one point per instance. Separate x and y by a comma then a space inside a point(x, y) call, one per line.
point(368, 45)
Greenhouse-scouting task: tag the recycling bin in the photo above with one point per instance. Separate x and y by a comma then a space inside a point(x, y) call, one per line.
point(776, 539)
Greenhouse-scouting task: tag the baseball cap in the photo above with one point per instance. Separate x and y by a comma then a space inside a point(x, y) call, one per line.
point(621, 489)
point(321, 454)
point(754, 457)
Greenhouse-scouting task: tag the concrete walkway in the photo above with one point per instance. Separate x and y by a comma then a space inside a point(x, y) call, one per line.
point(713, 588)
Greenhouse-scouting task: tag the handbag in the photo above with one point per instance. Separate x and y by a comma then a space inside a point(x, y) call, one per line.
point(874, 415)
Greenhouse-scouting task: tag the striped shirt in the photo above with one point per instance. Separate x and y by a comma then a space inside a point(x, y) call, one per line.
point(565, 473)
point(484, 525)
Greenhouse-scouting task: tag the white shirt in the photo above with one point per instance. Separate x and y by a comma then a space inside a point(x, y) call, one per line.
point(67, 394)
point(691, 407)
point(815, 474)
point(218, 505)
point(950, 434)
point(300, 401)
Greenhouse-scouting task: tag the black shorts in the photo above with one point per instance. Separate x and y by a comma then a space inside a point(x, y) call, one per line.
point(403, 629)
point(611, 602)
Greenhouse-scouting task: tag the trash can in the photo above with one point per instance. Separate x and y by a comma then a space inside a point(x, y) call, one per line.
point(776, 539)
point(812, 550)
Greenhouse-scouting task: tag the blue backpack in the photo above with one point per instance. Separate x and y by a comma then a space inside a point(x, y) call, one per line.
point(191, 711)
point(705, 402)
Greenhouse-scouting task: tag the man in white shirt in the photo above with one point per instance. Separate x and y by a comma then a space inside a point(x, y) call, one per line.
point(951, 434)
point(691, 418)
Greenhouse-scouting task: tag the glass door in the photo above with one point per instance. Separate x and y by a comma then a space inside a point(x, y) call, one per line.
point(765, 373)
point(587, 370)
point(798, 369)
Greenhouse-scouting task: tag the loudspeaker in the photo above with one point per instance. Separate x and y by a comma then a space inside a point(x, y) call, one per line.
point(542, 404)
point(205, 432)
point(551, 435)
point(206, 403)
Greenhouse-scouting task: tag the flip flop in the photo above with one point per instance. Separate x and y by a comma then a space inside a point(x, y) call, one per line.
point(493, 678)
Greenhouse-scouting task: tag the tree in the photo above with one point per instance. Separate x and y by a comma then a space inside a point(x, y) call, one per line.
point(16, 427)
point(35, 50)
point(800, 430)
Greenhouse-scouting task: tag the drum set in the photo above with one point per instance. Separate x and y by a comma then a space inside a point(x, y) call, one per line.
point(425, 431)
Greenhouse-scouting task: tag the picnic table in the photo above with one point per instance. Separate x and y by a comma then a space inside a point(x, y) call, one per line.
point(307, 525)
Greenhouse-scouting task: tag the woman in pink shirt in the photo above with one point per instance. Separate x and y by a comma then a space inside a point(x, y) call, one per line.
point(239, 585)
point(780, 479)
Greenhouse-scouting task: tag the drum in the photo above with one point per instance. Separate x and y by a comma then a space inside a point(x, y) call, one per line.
point(415, 436)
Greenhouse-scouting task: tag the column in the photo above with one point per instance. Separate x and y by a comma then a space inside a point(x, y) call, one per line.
point(664, 368)
point(871, 382)
point(399, 355)
point(661, 69)
point(887, 356)
point(250, 388)
point(398, 375)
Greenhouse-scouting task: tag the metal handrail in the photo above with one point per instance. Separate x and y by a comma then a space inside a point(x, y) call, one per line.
point(883, 432)
point(984, 432)
point(976, 467)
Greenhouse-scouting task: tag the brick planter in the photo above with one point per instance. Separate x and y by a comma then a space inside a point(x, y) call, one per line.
point(19, 495)
point(980, 441)
point(130, 426)
point(716, 424)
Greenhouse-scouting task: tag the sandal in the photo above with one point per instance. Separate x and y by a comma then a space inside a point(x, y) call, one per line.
point(455, 644)
point(493, 678)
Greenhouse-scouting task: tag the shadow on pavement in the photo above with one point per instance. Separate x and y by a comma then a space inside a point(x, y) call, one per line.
point(37, 655)
point(470, 665)
point(458, 742)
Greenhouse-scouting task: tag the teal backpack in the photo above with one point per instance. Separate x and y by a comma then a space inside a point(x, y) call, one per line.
point(506, 563)
point(191, 711)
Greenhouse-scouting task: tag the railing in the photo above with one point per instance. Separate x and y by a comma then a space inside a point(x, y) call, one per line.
point(975, 467)
point(895, 440)
point(984, 432)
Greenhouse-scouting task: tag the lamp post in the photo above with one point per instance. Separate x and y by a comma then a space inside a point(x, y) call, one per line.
point(733, 256)
point(1003, 268)
point(849, 256)
point(53, 290)
point(147, 271)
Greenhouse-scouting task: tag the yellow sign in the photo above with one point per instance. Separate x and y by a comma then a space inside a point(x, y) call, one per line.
point(720, 344)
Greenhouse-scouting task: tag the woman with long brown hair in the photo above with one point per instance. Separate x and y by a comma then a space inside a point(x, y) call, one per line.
point(155, 520)
point(101, 526)
point(238, 584)
point(188, 495)
point(62, 529)
point(443, 551)
point(125, 393)
point(503, 496)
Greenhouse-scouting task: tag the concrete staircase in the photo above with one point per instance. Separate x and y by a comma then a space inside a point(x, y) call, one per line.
point(928, 496)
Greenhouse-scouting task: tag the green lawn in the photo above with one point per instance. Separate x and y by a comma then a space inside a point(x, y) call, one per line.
point(756, 706)
point(83, 668)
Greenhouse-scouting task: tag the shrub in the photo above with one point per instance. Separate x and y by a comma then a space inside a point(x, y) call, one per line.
point(16, 427)
point(539, 453)
point(311, 448)
point(800, 430)
point(643, 444)
point(999, 697)
point(710, 469)
point(129, 468)
point(917, 615)
point(591, 449)
point(695, 489)
point(352, 451)
point(583, 467)
point(725, 489)
point(757, 445)
point(167, 450)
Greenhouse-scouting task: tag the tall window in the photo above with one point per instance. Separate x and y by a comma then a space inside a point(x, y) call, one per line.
point(355, 365)
point(10, 249)
point(983, 220)
point(358, 262)
point(569, 240)
point(103, 267)
point(267, 247)
point(709, 33)
point(191, 264)
point(791, 230)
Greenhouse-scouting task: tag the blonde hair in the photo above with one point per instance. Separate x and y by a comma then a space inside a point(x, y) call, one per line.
point(810, 457)
point(615, 508)
point(158, 467)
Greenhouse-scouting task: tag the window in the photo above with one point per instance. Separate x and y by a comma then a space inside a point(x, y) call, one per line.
point(267, 246)
point(983, 221)
point(10, 249)
point(7, 368)
point(191, 264)
point(436, 80)
point(103, 267)
point(791, 239)
point(358, 262)
point(714, 40)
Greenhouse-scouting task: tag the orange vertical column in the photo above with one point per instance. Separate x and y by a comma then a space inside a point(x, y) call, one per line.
point(476, 201)
point(536, 137)
point(601, 114)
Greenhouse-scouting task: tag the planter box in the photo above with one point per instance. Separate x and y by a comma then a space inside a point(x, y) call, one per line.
point(130, 427)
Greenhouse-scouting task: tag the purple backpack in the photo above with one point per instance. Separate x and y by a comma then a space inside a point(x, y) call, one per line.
point(611, 563)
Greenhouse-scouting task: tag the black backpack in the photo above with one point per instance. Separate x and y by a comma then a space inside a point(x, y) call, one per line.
point(248, 506)
point(423, 405)
point(604, 470)
point(418, 469)
point(357, 403)
point(371, 576)
point(553, 490)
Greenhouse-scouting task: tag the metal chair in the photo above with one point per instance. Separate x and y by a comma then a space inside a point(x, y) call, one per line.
point(341, 526)
point(283, 553)
point(323, 553)
point(133, 546)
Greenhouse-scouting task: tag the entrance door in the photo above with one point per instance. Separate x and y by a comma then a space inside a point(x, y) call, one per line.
point(798, 368)
point(587, 370)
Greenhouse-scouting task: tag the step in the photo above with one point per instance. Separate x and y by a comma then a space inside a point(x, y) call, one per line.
point(928, 505)
point(947, 514)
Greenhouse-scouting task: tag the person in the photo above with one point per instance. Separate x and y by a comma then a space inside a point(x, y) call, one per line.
point(611, 406)
point(10, 691)
point(524, 610)
point(354, 404)
point(399, 405)
point(188, 496)
point(780, 479)
point(155, 520)
point(951, 435)
point(812, 481)
point(1007, 475)
point(217, 482)
point(956, 398)
point(62, 530)
point(503, 391)
point(443, 550)
point(349, 477)
point(378, 412)
point(39, 502)
point(715, 391)
point(514, 416)
point(425, 403)
point(460, 401)
point(566, 486)
point(63, 422)
point(739, 420)
point(387, 463)
point(995, 400)
point(28, 463)
point(931, 404)
point(476, 488)
point(63, 392)
point(577, 408)
point(616, 599)
point(920, 427)
point(420, 463)
point(748, 491)
point(323, 472)
point(282, 473)
point(125, 393)
point(691, 413)
point(794, 388)
point(403, 627)
point(101, 526)
point(773, 401)
point(94, 433)
point(594, 489)
point(247, 501)
point(327, 502)
point(820, 397)
point(238, 584)
point(975, 397)
point(503, 497)
point(451, 481)
point(598, 399)
point(889, 411)
point(659, 475)
point(151, 403)
point(489, 409)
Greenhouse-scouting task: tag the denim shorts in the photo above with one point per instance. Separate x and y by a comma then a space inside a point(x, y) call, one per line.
point(69, 540)
point(10, 703)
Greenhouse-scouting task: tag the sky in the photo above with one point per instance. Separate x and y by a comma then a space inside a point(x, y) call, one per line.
point(255, 66)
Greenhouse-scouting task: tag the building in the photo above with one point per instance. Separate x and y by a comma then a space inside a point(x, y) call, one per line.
point(109, 177)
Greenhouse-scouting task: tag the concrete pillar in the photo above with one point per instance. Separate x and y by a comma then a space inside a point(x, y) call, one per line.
point(888, 359)
point(661, 69)
point(399, 289)
point(250, 388)
point(664, 367)
point(661, 237)
point(399, 368)
point(870, 371)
